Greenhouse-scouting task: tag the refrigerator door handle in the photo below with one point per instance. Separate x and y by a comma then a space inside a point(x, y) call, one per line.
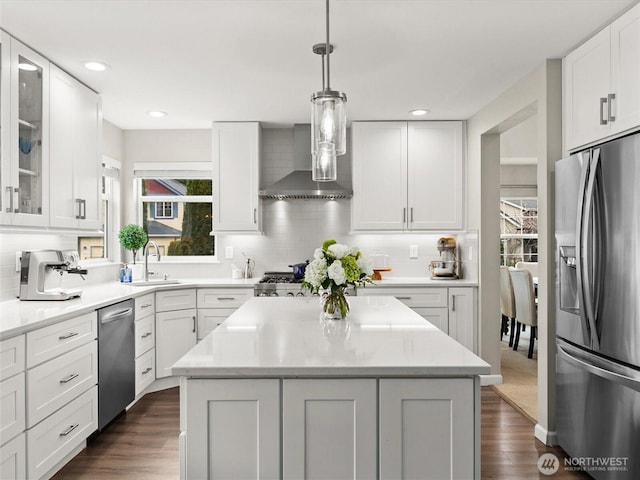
point(601, 367)
point(587, 259)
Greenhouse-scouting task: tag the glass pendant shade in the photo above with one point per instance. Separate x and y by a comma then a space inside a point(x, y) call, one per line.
point(328, 122)
point(324, 166)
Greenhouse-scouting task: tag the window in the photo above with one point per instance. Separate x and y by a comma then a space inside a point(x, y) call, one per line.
point(518, 230)
point(176, 211)
point(163, 210)
point(100, 245)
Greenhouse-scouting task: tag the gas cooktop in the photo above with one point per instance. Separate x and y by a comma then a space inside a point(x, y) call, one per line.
point(279, 277)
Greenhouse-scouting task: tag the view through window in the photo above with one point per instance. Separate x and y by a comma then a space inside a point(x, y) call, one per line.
point(518, 230)
point(176, 214)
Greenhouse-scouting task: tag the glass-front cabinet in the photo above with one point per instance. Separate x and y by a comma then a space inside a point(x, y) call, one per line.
point(24, 127)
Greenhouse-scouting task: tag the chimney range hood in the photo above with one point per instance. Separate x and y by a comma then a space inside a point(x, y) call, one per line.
point(298, 184)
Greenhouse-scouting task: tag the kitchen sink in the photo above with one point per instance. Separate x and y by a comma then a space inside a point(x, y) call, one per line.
point(148, 283)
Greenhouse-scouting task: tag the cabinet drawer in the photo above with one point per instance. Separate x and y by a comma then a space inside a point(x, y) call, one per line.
point(12, 356)
point(210, 318)
point(175, 300)
point(55, 437)
point(12, 408)
point(223, 297)
point(145, 334)
point(13, 459)
point(49, 342)
point(412, 297)
point(145, 371)
point(145, 305)
point(55, 383)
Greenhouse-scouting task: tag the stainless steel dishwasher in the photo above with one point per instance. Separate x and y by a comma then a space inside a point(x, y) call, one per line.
point(116, 360)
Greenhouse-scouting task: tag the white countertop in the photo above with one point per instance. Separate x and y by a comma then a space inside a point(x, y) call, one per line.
point(18, 317)
point(284, 337)
point(422, 282)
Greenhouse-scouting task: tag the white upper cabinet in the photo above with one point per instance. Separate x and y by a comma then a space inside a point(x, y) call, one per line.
point(601, 83)
point(407, 176)
point(74, 156)
point(25, 129)
point(236, 174)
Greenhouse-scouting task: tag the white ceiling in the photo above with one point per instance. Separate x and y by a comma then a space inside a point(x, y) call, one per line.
point(217, 60)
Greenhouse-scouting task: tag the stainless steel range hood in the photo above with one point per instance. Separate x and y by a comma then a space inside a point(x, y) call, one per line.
point(299, 184)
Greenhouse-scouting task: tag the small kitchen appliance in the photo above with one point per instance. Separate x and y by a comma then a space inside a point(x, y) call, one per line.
point(448, 266)
point(36, 265)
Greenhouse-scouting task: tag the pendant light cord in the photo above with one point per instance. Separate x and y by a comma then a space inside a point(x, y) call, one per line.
point(328, 48)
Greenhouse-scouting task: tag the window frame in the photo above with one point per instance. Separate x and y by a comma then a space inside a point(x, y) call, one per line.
point(504, 237)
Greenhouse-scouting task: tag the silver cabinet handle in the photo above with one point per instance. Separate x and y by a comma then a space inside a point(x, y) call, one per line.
point(148, 334)
point(226, 298)
point(403, 298)
point(603, 100)
point(146, 305)
point(194, 324)
point(610, 98)
point(9, 209)
point(147, 370)
point(69, 378)
point(453, 303)
point(69, 430)
point(67, 335)
point(404, 215)
point(79, 205)
point(255, 215)
point(16, 193)
point(411, 214)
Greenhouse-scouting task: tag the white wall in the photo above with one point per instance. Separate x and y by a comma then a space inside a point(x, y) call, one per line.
point(538, 93)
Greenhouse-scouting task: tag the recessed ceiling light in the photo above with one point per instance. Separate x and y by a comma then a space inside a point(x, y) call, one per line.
point(96, 66)
point(29, 67)
point(158, 114)
point(419, 112)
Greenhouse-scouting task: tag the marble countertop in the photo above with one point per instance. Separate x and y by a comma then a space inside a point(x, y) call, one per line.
point(422, 282)
point(285, 337)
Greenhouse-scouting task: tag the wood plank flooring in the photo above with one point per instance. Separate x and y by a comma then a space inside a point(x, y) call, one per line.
point(143, 444)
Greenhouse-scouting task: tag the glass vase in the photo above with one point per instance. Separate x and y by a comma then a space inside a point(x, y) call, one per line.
point(335, 305)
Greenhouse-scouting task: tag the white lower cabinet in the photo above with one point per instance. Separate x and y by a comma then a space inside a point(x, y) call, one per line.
point(175, 336)
point(12, 407)
point(216, 304)
point(145, 370)
point(12, 356)
point(49, 442)
point(13, 459)
point(329, 428)
point(210, 318)
point(233, 429)
point(462, 316)
point(427, 429)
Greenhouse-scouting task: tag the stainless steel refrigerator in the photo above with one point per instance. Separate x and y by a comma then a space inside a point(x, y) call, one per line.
point(598, 308)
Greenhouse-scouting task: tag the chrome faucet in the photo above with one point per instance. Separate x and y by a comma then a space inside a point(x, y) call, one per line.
point(145, 252)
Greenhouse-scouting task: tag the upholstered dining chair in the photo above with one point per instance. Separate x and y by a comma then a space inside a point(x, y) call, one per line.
point(507, 304)
point(526, 311)
point(531, 266)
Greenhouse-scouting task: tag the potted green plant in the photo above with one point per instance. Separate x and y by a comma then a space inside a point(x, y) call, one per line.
point(132, 237)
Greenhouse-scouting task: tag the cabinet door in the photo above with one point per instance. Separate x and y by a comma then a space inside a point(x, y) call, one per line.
point(236, 170)
point(175, 336)
point(29, 136)
point(74, 154)
point(437, 316)
point(435, 175)
point(232, 429)
point(210, 318)
point(12, 406)
point(6, 179)
point(462, 316)
point(329, 429)
point(586, 84)
point(379, 176)
point(427, 428)
point(13, 459)
point(625, 70)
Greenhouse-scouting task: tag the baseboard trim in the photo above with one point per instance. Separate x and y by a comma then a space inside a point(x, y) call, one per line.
point(486, 380)
point(548, 438)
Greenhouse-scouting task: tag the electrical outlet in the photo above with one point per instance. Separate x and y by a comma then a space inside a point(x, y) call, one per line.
point(18, 260)
point(228, 252)
point(413, 251)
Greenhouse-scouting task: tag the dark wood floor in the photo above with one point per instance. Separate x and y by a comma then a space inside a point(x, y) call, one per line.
point(143, 444)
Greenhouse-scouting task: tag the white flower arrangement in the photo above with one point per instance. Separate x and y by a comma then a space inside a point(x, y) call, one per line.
point(336, 266)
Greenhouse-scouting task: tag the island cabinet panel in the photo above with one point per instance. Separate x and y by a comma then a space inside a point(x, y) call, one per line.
point(427, 428)
point(329, 429)
point(233, 429)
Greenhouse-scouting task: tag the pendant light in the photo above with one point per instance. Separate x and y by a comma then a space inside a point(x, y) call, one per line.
point(328, 120)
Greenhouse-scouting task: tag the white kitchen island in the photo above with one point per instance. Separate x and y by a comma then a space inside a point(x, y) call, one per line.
point(276, 392)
